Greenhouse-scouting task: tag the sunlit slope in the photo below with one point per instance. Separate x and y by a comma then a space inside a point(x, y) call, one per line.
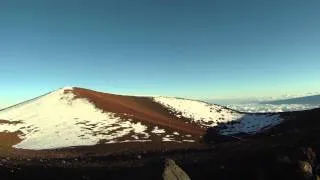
point(81, 117)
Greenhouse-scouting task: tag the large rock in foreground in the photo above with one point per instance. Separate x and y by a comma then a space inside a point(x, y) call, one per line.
point(173, 171)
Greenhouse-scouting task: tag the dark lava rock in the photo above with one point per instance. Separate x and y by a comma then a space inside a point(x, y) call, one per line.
point(306, 154)
point(213, 135)
point(317, 170)
point(305, 170)
point(284, 160)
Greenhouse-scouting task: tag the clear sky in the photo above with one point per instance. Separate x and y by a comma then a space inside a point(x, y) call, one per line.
point(197, 49)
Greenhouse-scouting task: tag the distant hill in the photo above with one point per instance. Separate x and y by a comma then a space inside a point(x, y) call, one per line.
point(72, 116)
point(314, 100)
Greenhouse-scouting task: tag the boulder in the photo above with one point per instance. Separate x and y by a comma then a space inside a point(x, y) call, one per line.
point(173, 172)
point(306, 154)
point(305, 170)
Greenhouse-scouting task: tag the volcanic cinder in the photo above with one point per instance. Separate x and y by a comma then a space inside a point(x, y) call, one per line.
point(73, 116)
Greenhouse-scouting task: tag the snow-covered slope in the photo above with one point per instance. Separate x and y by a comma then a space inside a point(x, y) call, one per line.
point(209, 115)
point(58, 120)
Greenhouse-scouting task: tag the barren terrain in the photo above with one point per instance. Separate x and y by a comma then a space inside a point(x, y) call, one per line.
point(126, 137)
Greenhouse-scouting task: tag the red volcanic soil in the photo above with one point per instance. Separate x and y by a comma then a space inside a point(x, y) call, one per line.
point(141, 109)
point(9, 139)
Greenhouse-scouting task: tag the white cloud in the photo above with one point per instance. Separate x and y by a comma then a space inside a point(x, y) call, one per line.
point(255, 107)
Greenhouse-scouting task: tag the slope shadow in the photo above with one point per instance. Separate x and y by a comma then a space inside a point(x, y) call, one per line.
point(238, 130)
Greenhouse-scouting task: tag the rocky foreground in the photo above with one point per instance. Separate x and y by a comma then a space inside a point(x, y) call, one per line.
point(288, 151)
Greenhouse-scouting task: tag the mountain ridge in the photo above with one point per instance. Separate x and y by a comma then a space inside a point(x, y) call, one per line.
point(313, 100)
point(76, 116)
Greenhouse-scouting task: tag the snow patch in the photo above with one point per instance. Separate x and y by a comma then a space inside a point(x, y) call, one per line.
point(68, 88)
point(176, 133)
point(186, 140)
point(251, 124)
point(200, 112)
point(209, 115)
point(127, 141)
point(156, 130)
point(168, 139)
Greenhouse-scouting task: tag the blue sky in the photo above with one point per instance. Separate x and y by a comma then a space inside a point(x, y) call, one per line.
point(198, 49)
